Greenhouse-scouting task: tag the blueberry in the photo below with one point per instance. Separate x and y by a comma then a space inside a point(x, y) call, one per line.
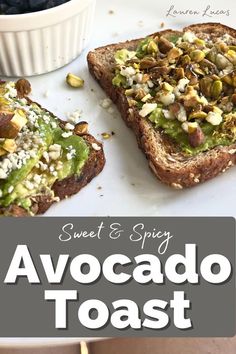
point(12, 10)
point(3, 8)
point(37, 4)
point(10, 7)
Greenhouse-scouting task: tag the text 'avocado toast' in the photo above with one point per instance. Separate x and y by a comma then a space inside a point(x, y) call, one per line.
point(42, 159)
point(177, 91)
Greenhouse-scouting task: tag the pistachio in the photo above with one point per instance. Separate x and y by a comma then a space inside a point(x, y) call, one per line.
point(2, 152)
point(106, 136)
point(167, 87)
point(221, 61)
point(173, 54)
point(205, 86)
point(185, 60)
point(211, 55)
point(74, 81)
point(234, 80)
point(179, 72)
point(222, 47)
point(198, 115)
point(231, 55)
point(233, 98)
point(196, 138)
point(147, 63)
point(5, 118)
point(197, 55)
point(199, 42)
point(227, 79)
point(208, 66)
point(152, 47)
point(198, 70)
point(23, 87)
point(129, 92)
point(159, 71)
point(164, 45)
point(4, 102)
point(81, 128)
point(216, 89)
point(140, 93)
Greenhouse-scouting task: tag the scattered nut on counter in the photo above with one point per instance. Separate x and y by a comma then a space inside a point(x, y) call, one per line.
point(81, 128)
point(74, 81)
point(106, 136)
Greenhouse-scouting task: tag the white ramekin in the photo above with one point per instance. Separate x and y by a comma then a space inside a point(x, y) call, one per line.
point(39, 42)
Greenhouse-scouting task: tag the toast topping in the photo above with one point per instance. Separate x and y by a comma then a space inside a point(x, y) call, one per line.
point(185, 85)
point(36, 148)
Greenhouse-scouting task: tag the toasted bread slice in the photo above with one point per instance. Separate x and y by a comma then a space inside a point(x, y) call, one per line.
point(166, 160)
point(66, 187)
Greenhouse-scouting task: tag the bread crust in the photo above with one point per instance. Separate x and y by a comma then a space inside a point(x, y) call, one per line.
point(164, 157)
point(68, 186)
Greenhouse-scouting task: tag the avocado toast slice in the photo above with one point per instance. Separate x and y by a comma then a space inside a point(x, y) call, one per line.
point(177, 91)
point(42, 158)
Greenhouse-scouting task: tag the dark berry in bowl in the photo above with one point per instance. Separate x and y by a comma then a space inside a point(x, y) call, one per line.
point(13, 7)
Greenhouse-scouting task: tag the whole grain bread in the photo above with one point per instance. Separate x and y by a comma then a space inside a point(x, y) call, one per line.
point(165, 158)
point(66, 187)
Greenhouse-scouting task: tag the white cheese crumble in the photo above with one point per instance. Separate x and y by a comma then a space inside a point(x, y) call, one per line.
point(182, 84)
point(10, 189)
point(189, 37)
point(147, 109)
point(66, 134)
point(106, 103)
point(167, 98)
point(74, 117)
point(69, 126)
point(214, 118)
point(96, 147)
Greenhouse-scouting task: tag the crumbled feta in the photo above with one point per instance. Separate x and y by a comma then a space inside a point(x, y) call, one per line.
point(53, 125)
point(189, 37)
point(3, 174)
point(106, 103)
point(127, 71)
point(29, 185)
point(167, 98)
point(110, 110)
point(69, 156)
point(10, 189)
point(96, 147)
point(11, 91)
point(37, 178)
point(46, 156)
point(66, 134)
point(181, 115)
point(214, 118)
point(138, 78)
point(188, 126)
point(168, 114)
point(147, 109)
point(74, 117)
point(182, 84)
point(69, 126)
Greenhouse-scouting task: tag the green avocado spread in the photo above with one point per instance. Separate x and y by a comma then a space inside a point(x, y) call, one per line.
point(35, 151)
point(184, 85)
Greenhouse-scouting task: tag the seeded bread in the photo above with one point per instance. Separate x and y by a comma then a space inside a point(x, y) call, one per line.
point(67, 187)
point(165, 158)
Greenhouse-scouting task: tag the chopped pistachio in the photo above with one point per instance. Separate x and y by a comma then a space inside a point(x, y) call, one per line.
point(74, 81)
